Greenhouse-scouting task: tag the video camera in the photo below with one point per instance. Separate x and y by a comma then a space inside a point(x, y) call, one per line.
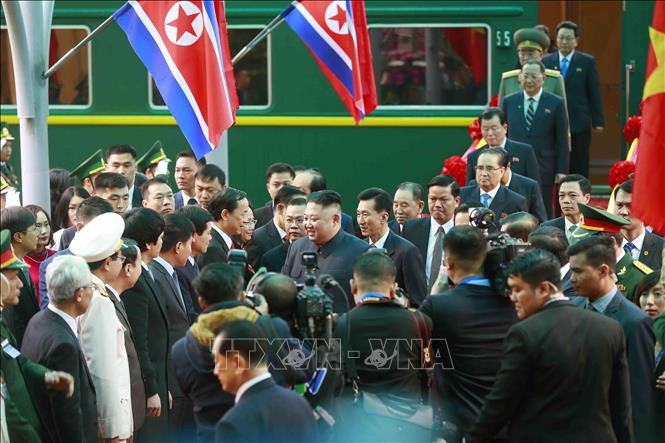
point(314, 308)
point(501, 249)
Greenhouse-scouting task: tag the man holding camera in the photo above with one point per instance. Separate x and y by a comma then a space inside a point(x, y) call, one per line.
point(544, 391)
point(471, 321)
point(336, 250)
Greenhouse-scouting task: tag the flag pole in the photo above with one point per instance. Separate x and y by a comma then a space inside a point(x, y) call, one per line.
point(274, 23)
point(72, 52)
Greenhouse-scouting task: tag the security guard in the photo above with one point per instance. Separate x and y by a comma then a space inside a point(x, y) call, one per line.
point(154, 162)
point(629, 272)
point(88, 170)
point(531, 43)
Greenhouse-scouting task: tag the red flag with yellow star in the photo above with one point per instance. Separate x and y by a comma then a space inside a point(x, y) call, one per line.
point(649, 188)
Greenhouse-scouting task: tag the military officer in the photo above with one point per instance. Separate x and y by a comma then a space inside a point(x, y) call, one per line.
point(531, 43)
point(88, 170)
point(628, 271)
point(6, 169)
point(23, 423)
point(154, 162)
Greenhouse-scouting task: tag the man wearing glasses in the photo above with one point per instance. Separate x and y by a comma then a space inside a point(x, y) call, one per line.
point(101, 334)
point(488, 190)
point(585, 105)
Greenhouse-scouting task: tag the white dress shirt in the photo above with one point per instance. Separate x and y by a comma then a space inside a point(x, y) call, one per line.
point(381, 241)
point(569, 57)
point(249, 383)
point(638, 242)
point(228, 240)
point(491, 192)
point(536, 100)
point(71, 322)
point(131, 199)
point(433, 227)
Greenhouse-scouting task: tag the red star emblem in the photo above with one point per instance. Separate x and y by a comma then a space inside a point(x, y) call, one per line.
point(340, 17)
point(183, 23)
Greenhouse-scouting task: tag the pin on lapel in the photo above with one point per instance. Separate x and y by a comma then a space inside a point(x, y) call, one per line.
point(578, 70)
point(547, 111)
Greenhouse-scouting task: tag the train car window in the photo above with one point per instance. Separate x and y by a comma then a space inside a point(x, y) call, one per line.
point(252, 73)
point(70, 86)
point(444, 66)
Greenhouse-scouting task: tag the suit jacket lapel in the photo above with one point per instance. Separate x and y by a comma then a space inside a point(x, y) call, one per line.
point(30, 288)
point(539, 110)
point(390, 243)
point(615, 305)
point(166, 276)
point(151, 287)
point(498, 198)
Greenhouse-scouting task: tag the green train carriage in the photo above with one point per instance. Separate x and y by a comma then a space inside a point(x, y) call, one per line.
point(437, 64)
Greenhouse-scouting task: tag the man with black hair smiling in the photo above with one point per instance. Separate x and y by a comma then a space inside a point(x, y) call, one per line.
point(373, 213)
point(543, 390)
point(335, 249)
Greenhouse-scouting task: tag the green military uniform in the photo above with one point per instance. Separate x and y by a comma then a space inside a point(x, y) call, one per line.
point(6, 169)
point(629, 272)
point(152, 158)
point(23, 423)
point(535, 39)
point(90, 166)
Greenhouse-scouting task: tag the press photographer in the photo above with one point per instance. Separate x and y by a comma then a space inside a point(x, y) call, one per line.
point(472, 318)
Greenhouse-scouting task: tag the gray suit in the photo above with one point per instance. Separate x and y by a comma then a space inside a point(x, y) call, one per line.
point(335, 258)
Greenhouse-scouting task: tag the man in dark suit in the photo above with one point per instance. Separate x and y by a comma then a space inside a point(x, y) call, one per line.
point(121, 159)
point(51, 340)
point(113, 188)
point(202, 221)
point(585, 105)
point(524, 186)
point(552, 239)
point(408, 204)
point(22, 420)
point(176, 248)
point(638, 242)
point(521, 156)
point(278, 175)
point(592, 262)
point(129, 274)
point(254, 416)
point(539, 118)
point(294, 220)
point(273, 233)
point(427, 234)
point(21, 224)
point(543, 391)
point(488, 190)
point(228, 209)
point(468, 349)
point(186, 167)
point(373, 213)
point(336, 250)
point(573, 189)
point(149, 320)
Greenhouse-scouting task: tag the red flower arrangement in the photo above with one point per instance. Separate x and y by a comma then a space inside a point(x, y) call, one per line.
point(456, 167)
point(631, 130)
point(620, 172)
point(474, 130)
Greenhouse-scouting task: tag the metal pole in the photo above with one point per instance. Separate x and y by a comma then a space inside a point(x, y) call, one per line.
point(29, 25)
point(72, 52)
point(274, 23)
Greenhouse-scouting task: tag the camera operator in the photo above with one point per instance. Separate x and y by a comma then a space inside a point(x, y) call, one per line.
point(473, 319)
point(382, 332)
point(220, 294)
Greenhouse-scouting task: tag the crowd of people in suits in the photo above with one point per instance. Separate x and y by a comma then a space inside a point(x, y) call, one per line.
point(122, 319)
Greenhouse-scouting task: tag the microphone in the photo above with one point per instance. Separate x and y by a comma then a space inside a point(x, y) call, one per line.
point(327, 281)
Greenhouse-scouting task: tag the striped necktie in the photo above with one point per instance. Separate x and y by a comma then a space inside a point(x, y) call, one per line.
point(529, 113)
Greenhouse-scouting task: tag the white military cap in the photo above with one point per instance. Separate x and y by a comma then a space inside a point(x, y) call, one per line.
point(99, 239)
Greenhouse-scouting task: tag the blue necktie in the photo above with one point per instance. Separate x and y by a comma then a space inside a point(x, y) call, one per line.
point(564, 66)
point(629, 248)
point(486, 200)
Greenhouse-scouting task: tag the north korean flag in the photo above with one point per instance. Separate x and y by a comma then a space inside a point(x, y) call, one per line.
point(184, 45)
point(336, 34)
